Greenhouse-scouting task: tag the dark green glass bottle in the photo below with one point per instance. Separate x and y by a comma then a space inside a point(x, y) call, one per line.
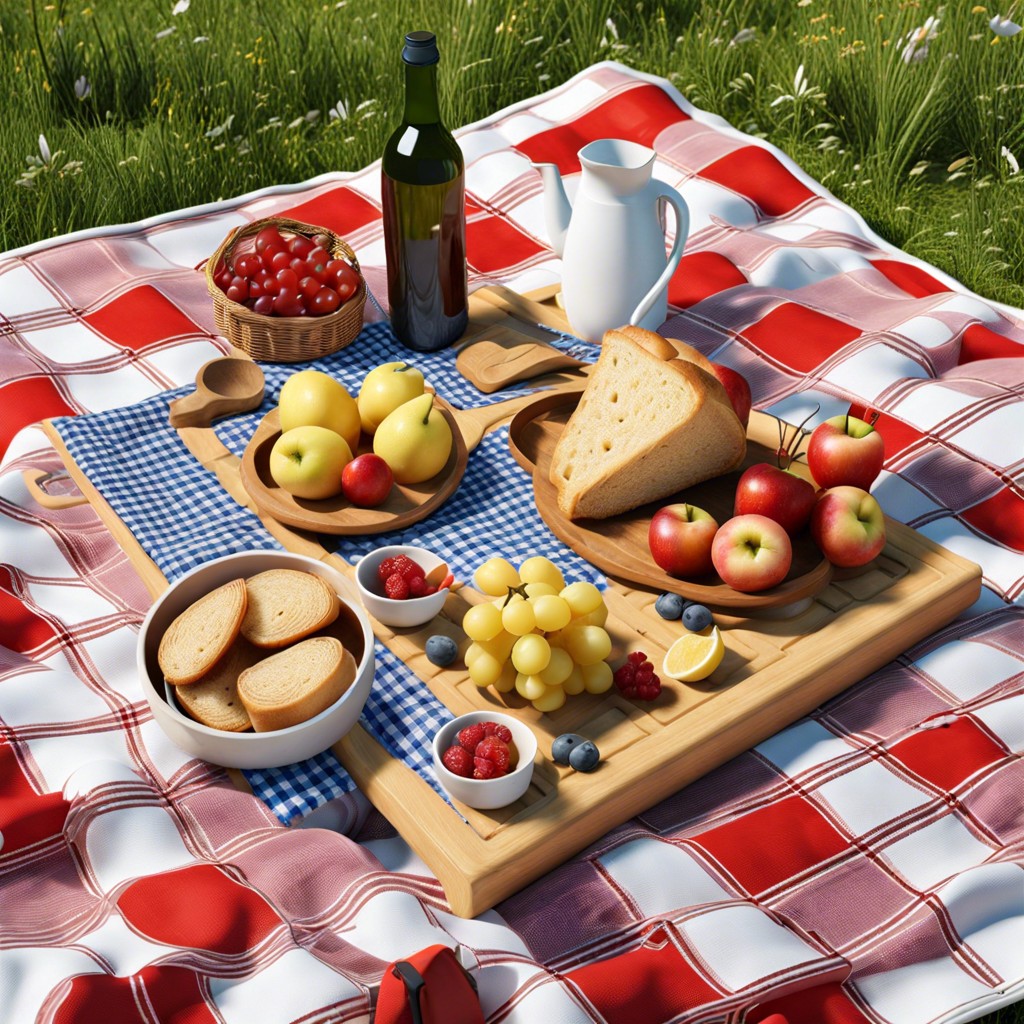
point(423, 193)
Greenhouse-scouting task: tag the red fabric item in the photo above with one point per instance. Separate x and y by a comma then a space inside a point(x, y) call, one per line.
point(141, 316)
point(172, 992)
point(27, 401)
point(799, 338)
point(493, 243)
point(897, 434)
point(1000, 517)
point(756, 174)
point(981, 343)
point(639, 113)
point(342, 210)
point(946, 755)
point(21, 629)
point(26, 817)
point(823, 1004)
point(701, 274)
point(913, 280)
point(220, 914)
point(447, 996)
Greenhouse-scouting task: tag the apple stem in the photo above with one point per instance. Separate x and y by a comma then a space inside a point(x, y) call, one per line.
point(430, 409)
point(403, 368)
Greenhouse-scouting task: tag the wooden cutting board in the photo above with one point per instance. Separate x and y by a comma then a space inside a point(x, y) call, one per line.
point(776, 669)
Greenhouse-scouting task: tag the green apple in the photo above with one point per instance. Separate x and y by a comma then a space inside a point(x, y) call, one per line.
point(307, 461)
point(414, 440)
point(310, 398)
point(384, 390)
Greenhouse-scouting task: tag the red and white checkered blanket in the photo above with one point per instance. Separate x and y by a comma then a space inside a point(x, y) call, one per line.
point(864, 865)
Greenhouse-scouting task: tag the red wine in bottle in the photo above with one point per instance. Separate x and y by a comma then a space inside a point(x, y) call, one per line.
point(423, 192)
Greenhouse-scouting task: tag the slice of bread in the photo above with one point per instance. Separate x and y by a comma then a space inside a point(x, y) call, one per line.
point(295, 684)
point(286, 605)
point(197, 639)
point(649, 424)
point(213, 700)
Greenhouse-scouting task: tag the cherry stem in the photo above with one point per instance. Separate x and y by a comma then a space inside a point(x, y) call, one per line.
point(520, 590)
point(789, 451)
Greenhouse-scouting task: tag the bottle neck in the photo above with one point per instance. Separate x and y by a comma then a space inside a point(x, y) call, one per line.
point(421, 106)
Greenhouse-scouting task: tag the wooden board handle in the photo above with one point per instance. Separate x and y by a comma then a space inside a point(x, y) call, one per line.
point(36, 481)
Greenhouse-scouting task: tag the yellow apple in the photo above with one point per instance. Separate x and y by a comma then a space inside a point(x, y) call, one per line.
point(310, 398)
point(384, 389)
point(414, 440)
point(307, 461)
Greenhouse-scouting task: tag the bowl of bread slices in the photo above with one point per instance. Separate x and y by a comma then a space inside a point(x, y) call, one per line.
point(257, 659)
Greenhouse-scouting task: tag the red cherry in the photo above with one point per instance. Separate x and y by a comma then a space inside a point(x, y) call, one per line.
point(248, 265)
point(269, 236)
point(300, 246)
point(264, 305)
point(223, 279)
point(267, 256)
point(281, 261)
point(287, 278)
point(325, 301)
point(308, 287)
point(236, 294)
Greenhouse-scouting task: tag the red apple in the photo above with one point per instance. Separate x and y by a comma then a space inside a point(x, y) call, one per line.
point(752, 553)
point(779, 494)
point(737, 388)
point(680, 539)
point(845, 451)
point(366, 481)
point(848, 525)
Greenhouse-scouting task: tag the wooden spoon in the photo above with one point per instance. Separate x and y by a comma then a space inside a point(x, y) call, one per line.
point(504, 356)
point(226, 385)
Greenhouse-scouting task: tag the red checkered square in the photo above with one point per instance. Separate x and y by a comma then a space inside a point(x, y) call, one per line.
point(26, 817)
point(27, 401)
point(760, 176)
point(947, 755)
point(173, 994)
point(798, 337)
point(913, 280)
point(493, 243)
point(219, 915)
point(700, 275)
point(774, 843)
point(639, 114)
point(341, 210)
point(823, 1004)
point(653, 983)
point(981, 343)
point(141, 316)
point(21, 628)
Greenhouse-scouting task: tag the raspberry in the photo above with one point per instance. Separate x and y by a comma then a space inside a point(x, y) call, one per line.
point(503, 732)
point(417, 586)
point(407, 568)
point(494, 750)
point(635, 678)
point(638, 657)
point(484, 769)
point(458, 761)
point(396, 588)
point(386, 568)
point(471, 736)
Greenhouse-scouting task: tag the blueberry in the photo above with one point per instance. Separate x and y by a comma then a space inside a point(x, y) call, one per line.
point(669, 606)
point(696, 617)
point(584, 757)
point(563, 745)
point(441, 651)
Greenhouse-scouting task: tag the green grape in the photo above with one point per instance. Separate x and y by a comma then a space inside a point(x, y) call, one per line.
point(485, 670)
point(597, 678)
point(482, 622)
point(587, 644)
point(558, 668)
point(582, 597)
point(539, 590)
point(495, 576)
point(574, 681)
point(500, 646)
point(529, 687)
point(551, 699)
point(531, 654)
point(506, 682)
point(539, 569)
point(517, 616)
point(598, 617)
point(551, 612)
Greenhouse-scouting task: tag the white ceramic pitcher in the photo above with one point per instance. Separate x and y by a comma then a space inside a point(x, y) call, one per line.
point(612, 243)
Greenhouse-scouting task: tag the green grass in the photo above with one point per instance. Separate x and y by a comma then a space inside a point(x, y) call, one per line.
point(225, 103)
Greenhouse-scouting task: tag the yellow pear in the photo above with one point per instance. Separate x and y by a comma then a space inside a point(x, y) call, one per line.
point(384, 389)
point(310, 398)
point(414, 440)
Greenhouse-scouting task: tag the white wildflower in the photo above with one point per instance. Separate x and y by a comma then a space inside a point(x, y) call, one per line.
point(745, 35)
point(82, 87)
point(220, 129)
point(44, 149)
point(1011, 160)
point(181, 6)
point(1002, 26)
point(610, 25)
point(165, 32)
point(339, 112)
point(201, 39)
point(801, 88)
point(917, 43)
point(312, 116)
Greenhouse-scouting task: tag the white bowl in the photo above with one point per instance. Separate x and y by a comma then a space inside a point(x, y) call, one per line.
point(413, 611)
point(486, 794)
point(252, 749)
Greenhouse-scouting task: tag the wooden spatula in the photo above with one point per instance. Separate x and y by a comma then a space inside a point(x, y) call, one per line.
point(502, 357)
point(226, 385)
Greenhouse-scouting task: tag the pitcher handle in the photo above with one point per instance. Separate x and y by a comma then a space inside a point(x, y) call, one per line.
point(678, 203)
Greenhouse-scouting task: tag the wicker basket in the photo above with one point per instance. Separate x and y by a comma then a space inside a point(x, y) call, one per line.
point(284, 339)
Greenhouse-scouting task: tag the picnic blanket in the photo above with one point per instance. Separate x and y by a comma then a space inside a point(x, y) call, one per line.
point(864, 865)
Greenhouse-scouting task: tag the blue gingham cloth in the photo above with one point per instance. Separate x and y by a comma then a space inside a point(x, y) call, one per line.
point(182, 517)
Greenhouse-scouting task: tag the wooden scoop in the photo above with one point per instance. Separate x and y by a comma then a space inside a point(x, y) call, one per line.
point(503, 357)
point(226, 385)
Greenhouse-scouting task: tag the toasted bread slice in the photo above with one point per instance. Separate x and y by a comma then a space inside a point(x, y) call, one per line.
point(286, 605)
point(197, 639)
point(213, 700)
point(295, 684)
point(648, 425)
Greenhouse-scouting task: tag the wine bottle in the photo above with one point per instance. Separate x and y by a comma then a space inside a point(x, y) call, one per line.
point(423, 193)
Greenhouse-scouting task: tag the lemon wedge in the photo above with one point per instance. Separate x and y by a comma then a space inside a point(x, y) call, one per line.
point(694, 656)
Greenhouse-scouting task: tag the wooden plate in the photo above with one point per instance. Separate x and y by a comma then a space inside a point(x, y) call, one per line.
point(619, 545)
point(407, 503)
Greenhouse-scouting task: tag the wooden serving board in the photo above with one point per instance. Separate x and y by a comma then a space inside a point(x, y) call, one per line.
point(775, 670)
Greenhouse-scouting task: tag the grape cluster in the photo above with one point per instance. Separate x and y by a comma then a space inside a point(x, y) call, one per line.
point(539, 637)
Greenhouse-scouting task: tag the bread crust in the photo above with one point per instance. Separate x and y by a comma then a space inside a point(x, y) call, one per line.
point(286, 605)
point(200, 636)
point(213, 701)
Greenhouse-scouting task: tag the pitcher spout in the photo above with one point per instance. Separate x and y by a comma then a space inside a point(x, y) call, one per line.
point(557, 208)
